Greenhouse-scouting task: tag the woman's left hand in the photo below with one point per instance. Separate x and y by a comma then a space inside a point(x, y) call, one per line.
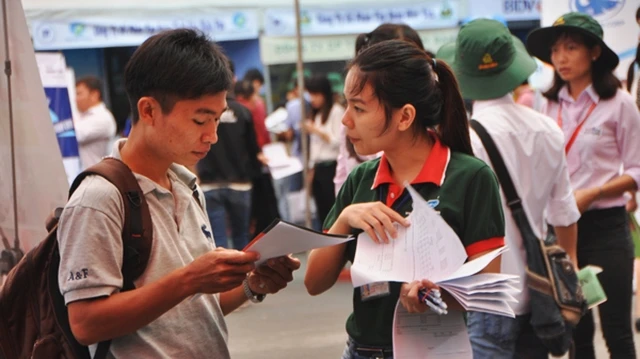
point(409, 297)
point(585, 197)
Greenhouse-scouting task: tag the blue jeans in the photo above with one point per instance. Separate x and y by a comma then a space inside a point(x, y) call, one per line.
point(499, 337)
point(354, 350)
point(236, 205)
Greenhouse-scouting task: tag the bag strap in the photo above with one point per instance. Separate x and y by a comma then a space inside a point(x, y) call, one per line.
point(513, 200)
point(137, 232)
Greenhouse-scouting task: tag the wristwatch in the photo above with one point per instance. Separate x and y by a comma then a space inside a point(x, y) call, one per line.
point(253, 297)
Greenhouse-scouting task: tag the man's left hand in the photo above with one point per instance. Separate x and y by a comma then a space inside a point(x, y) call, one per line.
point(273, 275)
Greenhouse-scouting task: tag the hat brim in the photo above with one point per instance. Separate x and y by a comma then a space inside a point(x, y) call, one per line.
point(491, 86)
point(447, 53)
point(539, 42)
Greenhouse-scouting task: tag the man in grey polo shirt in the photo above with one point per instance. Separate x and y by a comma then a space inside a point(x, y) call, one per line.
point(177, 83)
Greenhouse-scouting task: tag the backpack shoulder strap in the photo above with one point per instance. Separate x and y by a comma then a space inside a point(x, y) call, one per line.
point(137, 232)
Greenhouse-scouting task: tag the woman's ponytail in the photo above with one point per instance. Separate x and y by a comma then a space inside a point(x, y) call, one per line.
point(454, 126)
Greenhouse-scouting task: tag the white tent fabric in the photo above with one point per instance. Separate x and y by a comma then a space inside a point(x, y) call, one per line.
point(114, 5)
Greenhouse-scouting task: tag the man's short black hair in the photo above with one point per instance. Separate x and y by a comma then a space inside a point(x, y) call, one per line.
point(253, 75)
point(92, 82)
point(175, 65)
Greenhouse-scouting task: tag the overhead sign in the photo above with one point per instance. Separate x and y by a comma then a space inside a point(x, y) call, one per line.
point(509, 10)
point(283, 50)
point(431, 15)
point(110, 31)
point(618, 20)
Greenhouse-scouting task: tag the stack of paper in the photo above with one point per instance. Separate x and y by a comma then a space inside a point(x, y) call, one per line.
point(486, 292)
point(430, 249)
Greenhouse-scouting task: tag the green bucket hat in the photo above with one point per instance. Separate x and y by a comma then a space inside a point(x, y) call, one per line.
point(487, 60)
point(337, 83)
point(539, 40)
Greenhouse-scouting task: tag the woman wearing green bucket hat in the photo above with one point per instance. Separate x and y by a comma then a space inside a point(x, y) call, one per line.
point(601, 126)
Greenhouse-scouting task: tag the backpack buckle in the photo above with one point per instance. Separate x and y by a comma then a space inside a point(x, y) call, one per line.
point(134, 198)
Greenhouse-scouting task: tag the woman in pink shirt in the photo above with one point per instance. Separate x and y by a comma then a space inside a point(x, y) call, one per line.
point(601, 126)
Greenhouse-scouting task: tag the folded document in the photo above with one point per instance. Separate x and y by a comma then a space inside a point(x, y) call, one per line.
point(430, 249)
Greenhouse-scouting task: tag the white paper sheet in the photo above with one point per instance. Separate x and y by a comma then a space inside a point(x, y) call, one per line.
point(276, 122)
point(281, 165)
point(428, 248)
point(283, 238)
point(428, 335)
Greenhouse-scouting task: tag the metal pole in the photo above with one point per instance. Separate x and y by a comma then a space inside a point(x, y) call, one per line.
point(267, 89)
point(7, 71)
point(303, 132)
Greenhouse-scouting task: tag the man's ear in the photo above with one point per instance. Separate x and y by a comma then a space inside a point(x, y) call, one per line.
point(148, 109)
point(407, 115)
point(95, 96)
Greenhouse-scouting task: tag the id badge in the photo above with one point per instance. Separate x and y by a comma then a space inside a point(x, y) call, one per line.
point(374, 290)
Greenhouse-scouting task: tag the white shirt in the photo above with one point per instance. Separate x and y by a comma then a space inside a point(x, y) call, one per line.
point(320, 150)
point(532, 147)
point(95, 130)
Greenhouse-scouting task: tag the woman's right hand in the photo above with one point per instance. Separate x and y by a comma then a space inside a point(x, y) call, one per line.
point(410, 298)
point(375, 218)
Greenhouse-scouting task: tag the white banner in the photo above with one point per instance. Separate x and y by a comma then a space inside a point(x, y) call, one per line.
point(59, 87)
point(283, 50)
point(510, 10)
point(40, 176)
point(97, 31)
point(618, 19)
point(430, 15)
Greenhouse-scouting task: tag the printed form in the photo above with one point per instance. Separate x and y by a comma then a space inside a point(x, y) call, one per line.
point(428, 248)
point(429, 335)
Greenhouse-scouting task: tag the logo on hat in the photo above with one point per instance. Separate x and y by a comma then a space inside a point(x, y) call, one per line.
point(558, 22)
point(600, 9)
point(487, 62)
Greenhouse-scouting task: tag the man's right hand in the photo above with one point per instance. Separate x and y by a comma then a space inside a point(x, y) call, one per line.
point(219, 270)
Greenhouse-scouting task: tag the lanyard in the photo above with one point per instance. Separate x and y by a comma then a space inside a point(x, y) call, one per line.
point(573, 137)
